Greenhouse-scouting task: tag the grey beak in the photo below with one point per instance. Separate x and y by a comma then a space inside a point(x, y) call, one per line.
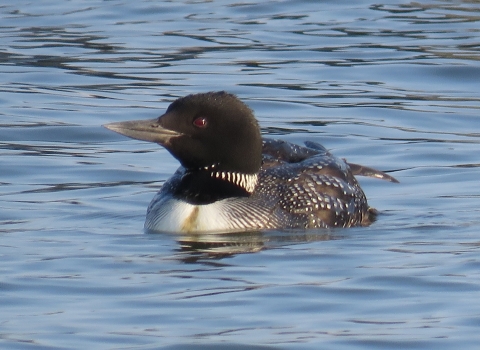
point(144, 130)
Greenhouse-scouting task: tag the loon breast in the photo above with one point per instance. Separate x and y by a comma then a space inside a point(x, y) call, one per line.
point(169, 214)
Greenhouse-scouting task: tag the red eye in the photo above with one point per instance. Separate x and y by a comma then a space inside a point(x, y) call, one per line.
point(200, 122)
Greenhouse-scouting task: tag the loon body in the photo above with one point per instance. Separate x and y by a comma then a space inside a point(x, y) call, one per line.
point(231, 180)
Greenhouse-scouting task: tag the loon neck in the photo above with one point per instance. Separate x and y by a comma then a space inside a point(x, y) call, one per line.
point(207, 185)
point(245, 181)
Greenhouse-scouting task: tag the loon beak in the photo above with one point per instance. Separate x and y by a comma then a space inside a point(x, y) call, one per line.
point(144, 130)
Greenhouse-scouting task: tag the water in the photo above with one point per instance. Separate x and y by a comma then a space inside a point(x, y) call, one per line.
point(393, 85)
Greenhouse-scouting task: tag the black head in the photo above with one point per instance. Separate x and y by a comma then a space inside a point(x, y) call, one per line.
point(213, 130)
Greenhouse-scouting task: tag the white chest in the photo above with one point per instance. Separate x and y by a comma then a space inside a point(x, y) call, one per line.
point(172, 215)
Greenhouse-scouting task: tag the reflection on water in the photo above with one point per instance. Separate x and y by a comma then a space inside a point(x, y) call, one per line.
point(391, 85)
point(227, 244)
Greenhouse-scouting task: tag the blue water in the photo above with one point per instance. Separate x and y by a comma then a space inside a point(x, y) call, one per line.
point(393, 85)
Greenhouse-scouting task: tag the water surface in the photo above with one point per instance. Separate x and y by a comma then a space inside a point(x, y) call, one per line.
point(393, 85)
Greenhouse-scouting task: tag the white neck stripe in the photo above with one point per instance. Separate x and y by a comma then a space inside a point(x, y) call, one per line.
point(245, 181)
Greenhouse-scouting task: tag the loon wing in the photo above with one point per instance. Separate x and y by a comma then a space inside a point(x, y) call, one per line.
point(356, 168)
point(276, 152)
point(283, 151)
point(370, 172)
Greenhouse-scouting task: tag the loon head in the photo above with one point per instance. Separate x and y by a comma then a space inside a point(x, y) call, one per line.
point(211, 131)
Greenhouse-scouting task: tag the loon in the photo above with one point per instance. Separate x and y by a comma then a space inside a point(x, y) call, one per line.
point(232, 180)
